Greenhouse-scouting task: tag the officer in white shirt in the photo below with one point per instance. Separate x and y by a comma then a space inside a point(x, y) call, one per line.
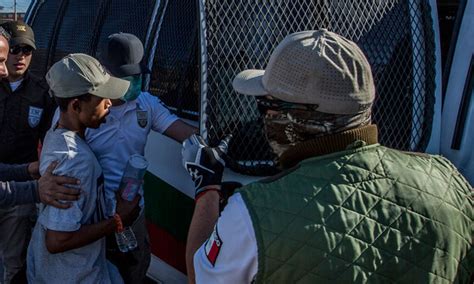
point(125, 133)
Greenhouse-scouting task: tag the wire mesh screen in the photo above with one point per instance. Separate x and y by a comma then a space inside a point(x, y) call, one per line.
point(126, 16)
point(66, 26)
point(175, 72)
point(44, 31)
point(76, 31)
point(396, 36)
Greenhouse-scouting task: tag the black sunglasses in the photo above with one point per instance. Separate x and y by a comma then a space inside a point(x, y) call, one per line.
point(265, 104)
point(26, 50)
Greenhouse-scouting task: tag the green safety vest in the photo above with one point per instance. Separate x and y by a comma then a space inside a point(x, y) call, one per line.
point(366, 215)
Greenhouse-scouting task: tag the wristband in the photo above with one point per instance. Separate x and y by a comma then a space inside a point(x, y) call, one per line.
point(202, 193)
point(118, 223)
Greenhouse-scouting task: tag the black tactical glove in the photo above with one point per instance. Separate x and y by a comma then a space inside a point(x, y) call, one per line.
point(203, 163)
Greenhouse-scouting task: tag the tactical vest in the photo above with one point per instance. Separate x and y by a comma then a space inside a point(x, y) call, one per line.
point(367, 215)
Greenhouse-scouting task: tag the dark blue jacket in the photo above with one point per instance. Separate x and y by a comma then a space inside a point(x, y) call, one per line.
point(25, 117)
point(16, 187)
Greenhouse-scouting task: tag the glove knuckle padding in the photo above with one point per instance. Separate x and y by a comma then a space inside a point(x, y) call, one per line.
point(204, 164)
point(190, 152)
point(217, 153)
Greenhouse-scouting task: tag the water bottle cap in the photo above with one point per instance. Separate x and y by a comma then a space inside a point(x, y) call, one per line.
point(138, 162)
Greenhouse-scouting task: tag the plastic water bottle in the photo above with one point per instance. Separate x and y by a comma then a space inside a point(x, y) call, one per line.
point(130, 237)
point(130, 184)
point(121, 241)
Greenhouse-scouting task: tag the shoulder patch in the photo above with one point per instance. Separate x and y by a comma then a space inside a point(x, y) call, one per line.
point(142, 116)
point(34, 116)
point(213, 246)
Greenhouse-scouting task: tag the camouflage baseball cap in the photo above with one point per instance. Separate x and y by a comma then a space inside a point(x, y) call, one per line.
point(314, 67)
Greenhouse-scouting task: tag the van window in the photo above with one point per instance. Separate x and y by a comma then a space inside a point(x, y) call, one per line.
point(175, 71)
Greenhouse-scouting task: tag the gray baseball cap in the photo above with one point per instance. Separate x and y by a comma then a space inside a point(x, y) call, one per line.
point(314, 67)
point(78, 74)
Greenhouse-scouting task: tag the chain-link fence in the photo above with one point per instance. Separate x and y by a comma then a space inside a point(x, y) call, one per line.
point(396, 36)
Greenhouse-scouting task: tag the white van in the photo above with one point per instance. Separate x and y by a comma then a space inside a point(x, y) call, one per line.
point(195, 48)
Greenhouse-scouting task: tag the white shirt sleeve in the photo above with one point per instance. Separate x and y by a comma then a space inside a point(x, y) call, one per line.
point(230, 254)
point(161, 117)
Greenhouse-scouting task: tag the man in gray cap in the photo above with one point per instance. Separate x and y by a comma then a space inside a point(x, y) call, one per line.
point(131, 119)
point(68, 245)
point(344, 209)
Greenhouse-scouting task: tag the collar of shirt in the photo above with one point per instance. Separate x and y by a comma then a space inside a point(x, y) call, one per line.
point(116, 112)
point(16, 84)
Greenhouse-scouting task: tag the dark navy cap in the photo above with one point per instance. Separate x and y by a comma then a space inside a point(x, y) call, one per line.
point(20, 33)
point(122, 55)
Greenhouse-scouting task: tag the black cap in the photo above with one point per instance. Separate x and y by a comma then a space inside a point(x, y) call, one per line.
point(123, 54)
point(20, 33)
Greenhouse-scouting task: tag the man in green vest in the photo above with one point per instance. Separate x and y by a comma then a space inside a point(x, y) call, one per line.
point(344, 209)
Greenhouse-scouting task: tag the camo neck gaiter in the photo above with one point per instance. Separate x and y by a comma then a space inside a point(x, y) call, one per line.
point(289, 127)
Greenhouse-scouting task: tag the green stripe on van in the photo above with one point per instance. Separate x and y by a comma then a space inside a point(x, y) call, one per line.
point(167, 207)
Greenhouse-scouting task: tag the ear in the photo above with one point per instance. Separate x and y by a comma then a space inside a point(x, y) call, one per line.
point(76, 105)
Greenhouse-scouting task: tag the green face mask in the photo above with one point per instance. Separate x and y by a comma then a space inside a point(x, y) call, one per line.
point(135, 88)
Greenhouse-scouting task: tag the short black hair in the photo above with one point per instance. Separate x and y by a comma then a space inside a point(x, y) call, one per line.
point(64, 102)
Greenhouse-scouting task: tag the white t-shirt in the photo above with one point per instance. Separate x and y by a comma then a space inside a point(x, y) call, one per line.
point(15, 85)
point(230, 254)
point(86, 264)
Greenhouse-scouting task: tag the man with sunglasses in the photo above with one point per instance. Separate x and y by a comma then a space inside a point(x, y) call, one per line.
point(25, 116)
point(344, 209)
